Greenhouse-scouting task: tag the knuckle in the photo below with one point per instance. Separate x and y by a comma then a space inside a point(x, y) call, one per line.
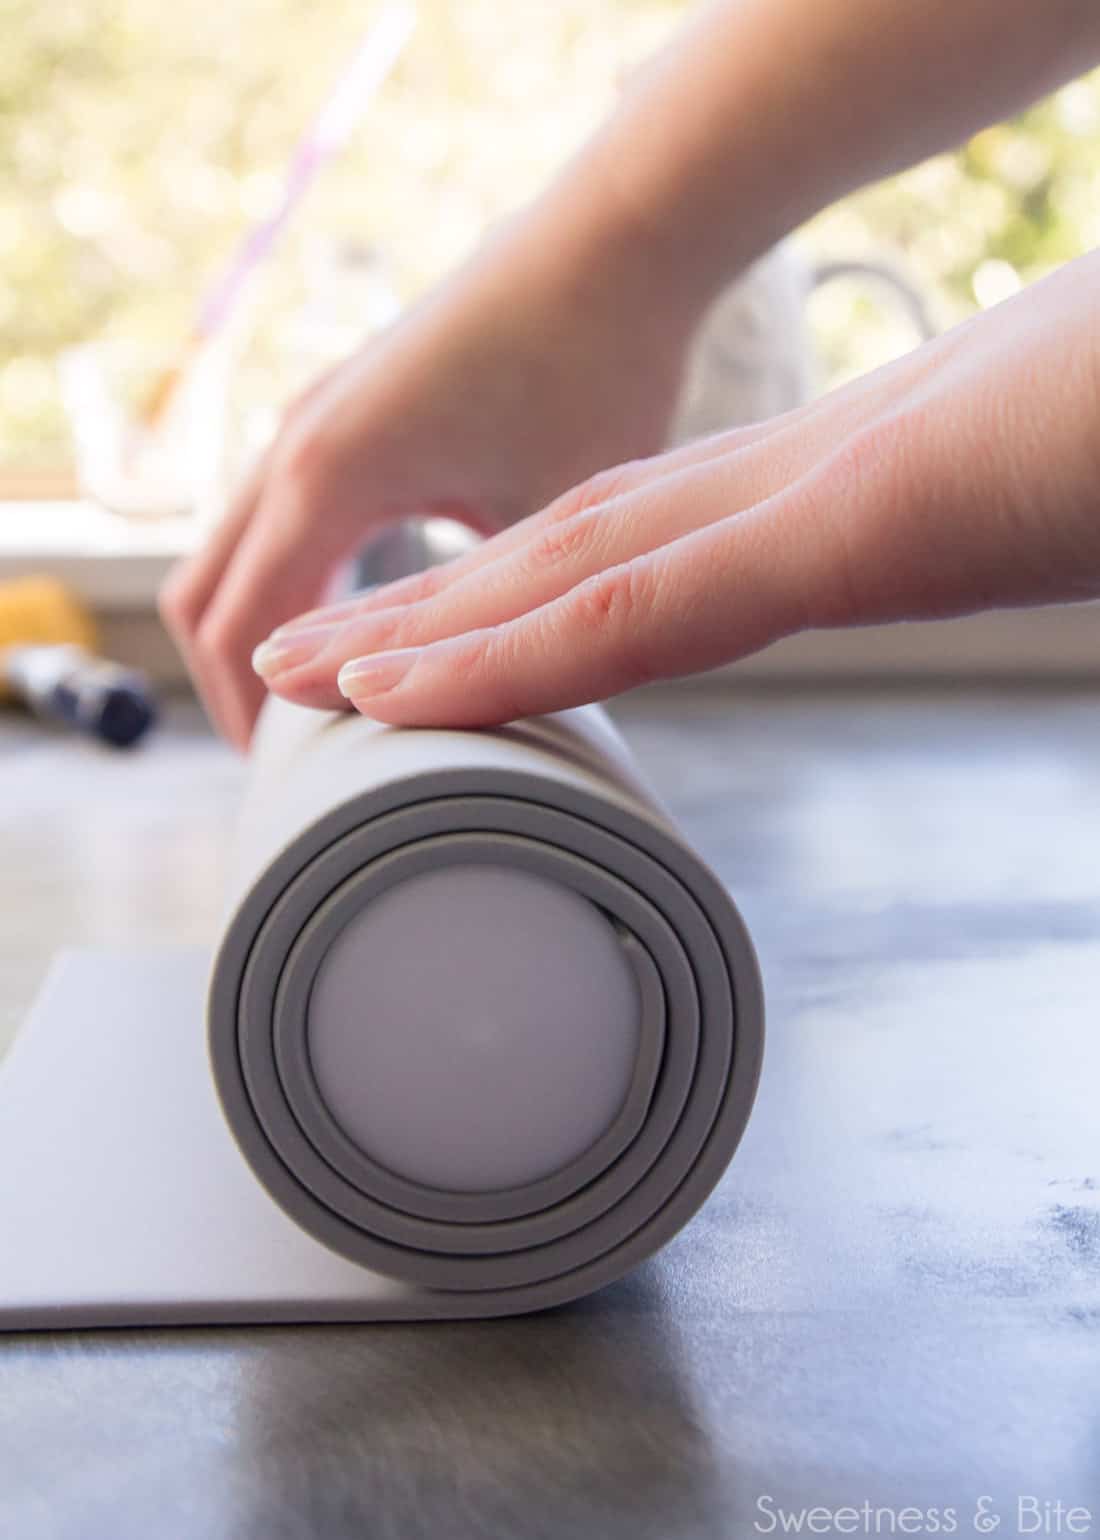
point(610, 601)
point(466, 660)
point(300, 466)
point(175, 602)
point(288, 519)
point(378, 632)
point(219, 640)
point(560, 544)
point(399, 619)
point(606, 484)
point(594, 492)
point(614, 606)
point(417, 588)
point(875, 456)
point(863, 491)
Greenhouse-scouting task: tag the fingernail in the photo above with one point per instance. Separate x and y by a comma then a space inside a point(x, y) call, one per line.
point(281, 652)
point(373, 675)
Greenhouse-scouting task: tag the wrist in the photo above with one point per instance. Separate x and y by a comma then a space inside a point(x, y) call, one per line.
point(614, 237)
point(691, 179)
point(587, 263)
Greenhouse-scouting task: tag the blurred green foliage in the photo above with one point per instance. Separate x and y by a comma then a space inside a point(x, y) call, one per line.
point(138, 139)
point(969, 228)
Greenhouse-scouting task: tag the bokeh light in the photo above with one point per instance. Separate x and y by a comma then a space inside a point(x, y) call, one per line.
point(140, 139)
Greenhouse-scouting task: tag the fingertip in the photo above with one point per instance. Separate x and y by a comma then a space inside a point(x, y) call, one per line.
point(376, 674)
point(285, 650)
point(303, 687)
point(459, 682)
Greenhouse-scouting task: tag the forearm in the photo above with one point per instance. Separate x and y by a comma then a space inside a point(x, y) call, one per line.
point(764, 111)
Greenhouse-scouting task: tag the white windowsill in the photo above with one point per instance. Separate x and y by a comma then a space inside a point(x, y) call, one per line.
point(1057, 643)
point(114, 564)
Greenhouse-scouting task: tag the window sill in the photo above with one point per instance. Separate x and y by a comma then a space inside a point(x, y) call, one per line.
point(114, 564)
point(1056, 642)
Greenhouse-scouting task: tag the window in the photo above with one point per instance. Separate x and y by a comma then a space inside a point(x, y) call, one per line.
point(146, 138)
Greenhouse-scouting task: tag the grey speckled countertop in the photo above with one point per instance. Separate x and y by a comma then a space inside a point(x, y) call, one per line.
point(894, 1297)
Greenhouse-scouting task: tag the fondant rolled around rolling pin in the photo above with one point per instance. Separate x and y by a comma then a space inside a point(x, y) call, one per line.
point(480, 1020)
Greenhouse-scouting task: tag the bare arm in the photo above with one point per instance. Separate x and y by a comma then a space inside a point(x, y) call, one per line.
point(763, 111)
point(559, 349)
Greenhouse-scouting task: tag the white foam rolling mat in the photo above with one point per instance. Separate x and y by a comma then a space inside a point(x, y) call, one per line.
point(481, 1033)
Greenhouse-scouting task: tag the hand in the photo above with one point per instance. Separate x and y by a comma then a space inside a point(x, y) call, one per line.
point(542, 361)
point(964, 476)
point(559, 350)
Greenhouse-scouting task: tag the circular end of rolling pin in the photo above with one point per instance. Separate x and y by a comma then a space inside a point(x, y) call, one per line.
point(475, 1028)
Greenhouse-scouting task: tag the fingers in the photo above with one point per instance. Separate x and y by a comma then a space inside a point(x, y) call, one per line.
point(608, 534)
point(537, 561)
point(187, 591)
point(804, 434)
point(302, 665)
point(187, 600)
point(726, 589)
point(280, 565)
point(595, 492)
point(705, 598)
